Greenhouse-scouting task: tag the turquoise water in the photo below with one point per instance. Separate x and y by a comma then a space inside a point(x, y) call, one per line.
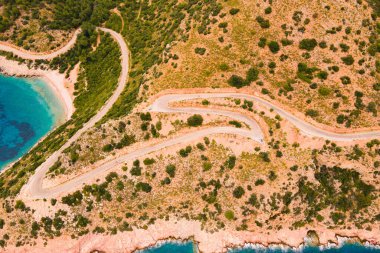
point(29, 109)
point(346, 248)
point(172, 247)
point(189, 247)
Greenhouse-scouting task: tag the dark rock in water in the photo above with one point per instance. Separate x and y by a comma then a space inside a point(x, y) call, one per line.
point(313, 238)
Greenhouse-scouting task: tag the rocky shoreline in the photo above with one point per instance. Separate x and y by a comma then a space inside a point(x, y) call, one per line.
point(184, 230)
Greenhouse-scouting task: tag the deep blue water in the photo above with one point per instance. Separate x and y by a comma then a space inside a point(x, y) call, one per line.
point(189, 247)
point(28, 110)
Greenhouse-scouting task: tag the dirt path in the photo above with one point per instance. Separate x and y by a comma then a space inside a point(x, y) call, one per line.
point(39, 56)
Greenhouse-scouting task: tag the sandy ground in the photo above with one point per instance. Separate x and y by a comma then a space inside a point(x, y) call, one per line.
point(182, 230)
point(57, 81)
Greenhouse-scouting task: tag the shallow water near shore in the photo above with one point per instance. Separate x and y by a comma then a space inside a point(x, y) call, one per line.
point(189, 247)
point(29, 109)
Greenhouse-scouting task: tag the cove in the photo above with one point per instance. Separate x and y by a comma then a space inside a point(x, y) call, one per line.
point(29, 109)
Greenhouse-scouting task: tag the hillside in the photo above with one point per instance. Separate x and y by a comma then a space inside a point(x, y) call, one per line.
point(299, 154)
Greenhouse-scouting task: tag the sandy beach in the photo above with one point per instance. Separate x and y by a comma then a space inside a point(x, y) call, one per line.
point(57, 81)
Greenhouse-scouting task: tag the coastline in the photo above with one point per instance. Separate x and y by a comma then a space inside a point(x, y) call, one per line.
point(184, 230)
point(54, 79)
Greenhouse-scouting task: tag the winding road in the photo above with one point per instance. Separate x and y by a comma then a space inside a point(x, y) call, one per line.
point(34, 187)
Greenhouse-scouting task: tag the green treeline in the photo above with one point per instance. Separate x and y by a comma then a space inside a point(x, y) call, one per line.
point(67, 14)
point(70, 14)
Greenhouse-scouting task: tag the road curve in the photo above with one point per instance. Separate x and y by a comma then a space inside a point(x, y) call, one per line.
point(162, 104)
point(35, 181)
point(28, 55)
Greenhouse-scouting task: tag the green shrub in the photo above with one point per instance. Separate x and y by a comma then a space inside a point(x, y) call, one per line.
point(262, 42)
point(345, 80)
point(170, 169)
point(224, 67)
point(322, 75)
point(259, 182)
point(236, 81)
point(324, 91)
point(145, 187)
point(200, 50)
point(252, 75)
point(195, 120)
point(148, 161)
point(229, 214)
point(234, 11)
point(312, 113)
point(348, 60)
point(264, 23)
point(308, 44)
point(274, 47)
point(235, 123)
point(238, 192)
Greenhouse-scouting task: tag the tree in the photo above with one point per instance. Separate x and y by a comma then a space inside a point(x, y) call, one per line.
point(252, 75)
point(348, 60)
point(274, 47)
point(238, 192)
point(195, 120)
point(170, 169)
point(236, 81)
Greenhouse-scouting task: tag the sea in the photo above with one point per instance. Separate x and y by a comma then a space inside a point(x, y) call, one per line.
point(190, 247)
point(29, 109)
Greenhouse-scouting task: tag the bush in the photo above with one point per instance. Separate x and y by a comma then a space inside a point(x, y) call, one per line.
point(324, 91)
point(264, 23)
point(234, 11)
point(235, 123)
point(224, 67)
point(345, 80)
point(73, 199)
point(340, 119)
point(376, 86)
point(308, 44)
point(145, 187)
point(206, 166)
point(262, 42)
point(195, 120)
point(200, 50)
point(274, 47)
point(236, 81)
point(348, 60)
point(259, 182)
point(229, 215)
point(238, 192)
point(252, 75)
point(170, 169)
point(148, 161)
point(322, 75)
point(312, 113)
